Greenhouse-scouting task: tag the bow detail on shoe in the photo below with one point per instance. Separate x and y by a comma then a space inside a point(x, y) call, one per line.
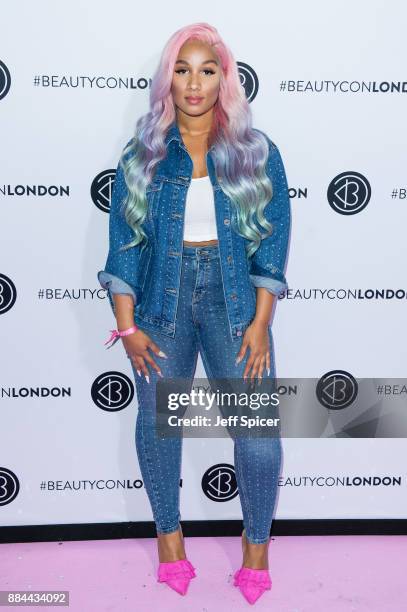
point(182, 568)
point(260, 577)
point(252, 582)
point(176, 574)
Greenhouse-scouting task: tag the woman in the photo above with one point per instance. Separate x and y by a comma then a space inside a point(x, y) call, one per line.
point(199, 226)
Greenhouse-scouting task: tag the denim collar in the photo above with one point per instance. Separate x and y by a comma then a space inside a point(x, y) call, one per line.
point(173, 133)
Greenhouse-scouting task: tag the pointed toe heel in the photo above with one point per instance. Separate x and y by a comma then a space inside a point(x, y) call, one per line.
point(252, 582)
point(177, 574)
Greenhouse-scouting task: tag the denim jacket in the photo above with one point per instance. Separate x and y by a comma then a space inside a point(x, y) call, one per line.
point(152, 275)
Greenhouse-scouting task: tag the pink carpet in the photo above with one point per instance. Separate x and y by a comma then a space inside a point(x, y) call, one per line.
point(309, 574)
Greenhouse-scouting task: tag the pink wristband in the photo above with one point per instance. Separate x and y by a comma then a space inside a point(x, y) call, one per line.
point(116, 334)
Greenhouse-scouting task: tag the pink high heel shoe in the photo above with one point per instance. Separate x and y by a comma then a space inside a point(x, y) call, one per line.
point(177, 574)
point(252, 582)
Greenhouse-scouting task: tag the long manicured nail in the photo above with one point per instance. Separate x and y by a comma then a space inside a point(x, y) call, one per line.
point(147, 378)
point(160, 373)
point(161, 354)
point(238, 360)
point(268, 371)
point(138, 372)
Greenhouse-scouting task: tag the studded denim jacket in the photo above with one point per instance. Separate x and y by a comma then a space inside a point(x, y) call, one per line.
point(152, 275)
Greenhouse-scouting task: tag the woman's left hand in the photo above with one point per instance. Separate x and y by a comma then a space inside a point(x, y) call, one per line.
point(256, 338)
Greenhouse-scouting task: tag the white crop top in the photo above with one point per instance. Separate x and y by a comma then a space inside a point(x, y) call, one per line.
point(200, 221)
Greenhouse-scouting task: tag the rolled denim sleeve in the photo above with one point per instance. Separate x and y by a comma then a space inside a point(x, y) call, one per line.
point(120, 271)
point(268, 262)
point(114, 284)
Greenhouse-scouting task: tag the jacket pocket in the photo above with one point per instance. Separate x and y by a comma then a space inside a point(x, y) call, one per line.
point(153, 191)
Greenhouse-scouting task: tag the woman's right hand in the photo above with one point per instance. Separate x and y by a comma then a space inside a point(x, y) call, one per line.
point(137, 346)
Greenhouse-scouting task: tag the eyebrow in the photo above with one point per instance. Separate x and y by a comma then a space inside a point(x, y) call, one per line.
point(210, 61)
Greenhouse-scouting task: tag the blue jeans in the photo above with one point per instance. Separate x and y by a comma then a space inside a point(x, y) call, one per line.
point(202, 327)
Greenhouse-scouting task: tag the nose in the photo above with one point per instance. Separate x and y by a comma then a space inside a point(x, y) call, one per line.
point(194, 82)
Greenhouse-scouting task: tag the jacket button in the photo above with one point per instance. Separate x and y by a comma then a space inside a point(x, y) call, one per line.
point(226, 222)
point(234, 296)
point(238, 333)
point(229, 259)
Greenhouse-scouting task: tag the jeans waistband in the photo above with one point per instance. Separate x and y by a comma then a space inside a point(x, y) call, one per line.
point(210, 251)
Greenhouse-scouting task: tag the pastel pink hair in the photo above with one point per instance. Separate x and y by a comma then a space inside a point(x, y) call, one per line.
point(240, 152)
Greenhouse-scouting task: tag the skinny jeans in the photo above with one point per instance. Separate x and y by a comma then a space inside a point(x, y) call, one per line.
point(202, 328)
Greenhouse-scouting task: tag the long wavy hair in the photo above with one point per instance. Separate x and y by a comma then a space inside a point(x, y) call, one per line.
point(240, 152)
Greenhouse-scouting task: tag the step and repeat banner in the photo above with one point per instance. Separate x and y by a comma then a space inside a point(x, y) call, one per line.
point(327, 83)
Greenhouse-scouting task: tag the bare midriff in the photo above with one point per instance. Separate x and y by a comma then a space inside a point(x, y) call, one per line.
point(203, 243)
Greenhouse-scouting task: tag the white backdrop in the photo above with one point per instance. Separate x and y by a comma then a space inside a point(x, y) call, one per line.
point(325, 76)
